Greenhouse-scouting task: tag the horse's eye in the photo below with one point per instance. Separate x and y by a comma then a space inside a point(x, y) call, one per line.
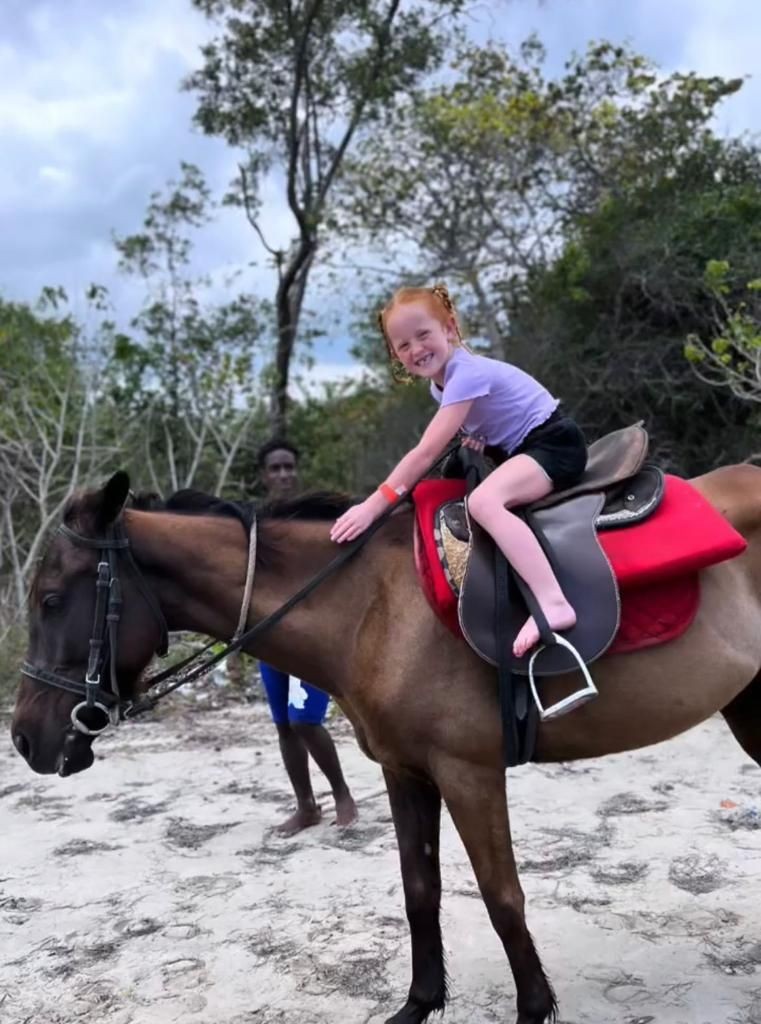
point(52, 601)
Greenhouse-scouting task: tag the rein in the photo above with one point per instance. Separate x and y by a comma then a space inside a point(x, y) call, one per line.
point(148, 701)
point(103, 707)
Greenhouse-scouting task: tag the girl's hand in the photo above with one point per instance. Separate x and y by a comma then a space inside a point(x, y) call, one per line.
point(476, 443)
point(354, 521)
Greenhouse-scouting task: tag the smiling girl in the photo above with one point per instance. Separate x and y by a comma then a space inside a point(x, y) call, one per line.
point(490, 403)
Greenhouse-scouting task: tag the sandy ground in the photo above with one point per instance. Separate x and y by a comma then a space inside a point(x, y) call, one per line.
point(150, 888)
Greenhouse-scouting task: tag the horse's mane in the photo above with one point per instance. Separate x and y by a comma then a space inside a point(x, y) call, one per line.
point(320, 505)
point(323, 506)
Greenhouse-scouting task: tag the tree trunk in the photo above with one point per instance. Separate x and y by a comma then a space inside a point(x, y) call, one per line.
point(290, 299)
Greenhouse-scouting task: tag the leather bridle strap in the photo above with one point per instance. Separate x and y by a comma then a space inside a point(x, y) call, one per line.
point(104, 636)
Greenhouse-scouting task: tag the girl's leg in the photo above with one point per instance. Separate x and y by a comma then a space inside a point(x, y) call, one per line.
point(520, 481)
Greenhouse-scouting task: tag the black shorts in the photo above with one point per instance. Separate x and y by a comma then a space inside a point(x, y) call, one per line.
point(559, 447)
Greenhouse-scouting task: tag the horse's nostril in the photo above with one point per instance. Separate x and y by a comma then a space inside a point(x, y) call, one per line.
point(21, 743)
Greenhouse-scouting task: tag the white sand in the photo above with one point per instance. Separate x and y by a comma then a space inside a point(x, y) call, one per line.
point(148, 889)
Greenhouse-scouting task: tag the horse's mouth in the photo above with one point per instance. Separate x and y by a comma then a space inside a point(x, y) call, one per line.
point(76, 755)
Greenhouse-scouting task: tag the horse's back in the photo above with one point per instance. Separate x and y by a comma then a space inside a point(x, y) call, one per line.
point(735, 491)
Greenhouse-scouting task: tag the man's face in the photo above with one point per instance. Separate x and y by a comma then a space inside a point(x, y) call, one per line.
point(279, 474)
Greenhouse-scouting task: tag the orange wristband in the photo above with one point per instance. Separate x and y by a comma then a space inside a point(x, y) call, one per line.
point(389, 493)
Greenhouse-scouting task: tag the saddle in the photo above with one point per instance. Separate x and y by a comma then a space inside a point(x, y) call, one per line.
point(616, 490)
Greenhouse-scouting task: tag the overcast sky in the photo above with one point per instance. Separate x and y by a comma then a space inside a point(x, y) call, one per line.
point(92, 119)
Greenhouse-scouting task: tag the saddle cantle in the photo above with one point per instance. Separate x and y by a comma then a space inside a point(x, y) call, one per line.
point(611, 459)
point(624, 504)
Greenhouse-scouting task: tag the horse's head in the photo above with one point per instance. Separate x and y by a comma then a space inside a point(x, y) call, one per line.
point(93, 627)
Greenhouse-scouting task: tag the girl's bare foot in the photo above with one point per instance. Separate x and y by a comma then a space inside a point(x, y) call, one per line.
point(346, 811)
point(303, 818)
point(560, 616)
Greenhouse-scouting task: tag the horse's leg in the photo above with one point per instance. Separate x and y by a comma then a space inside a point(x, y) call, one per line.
point(476, 799)
point(743, 716)
point(416, 809)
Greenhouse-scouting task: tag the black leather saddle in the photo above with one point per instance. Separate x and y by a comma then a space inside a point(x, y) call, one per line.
point(617, 490)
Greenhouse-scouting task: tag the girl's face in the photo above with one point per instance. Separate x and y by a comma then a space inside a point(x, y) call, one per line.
point(421, 343)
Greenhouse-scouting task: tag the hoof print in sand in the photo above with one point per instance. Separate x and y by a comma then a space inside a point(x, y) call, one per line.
point(82, 847)
point(743, 958)
point(629, 803)
point(188, 836)
point(184, 973)
point(625, 873)
point(697, 874)
point(135, 809)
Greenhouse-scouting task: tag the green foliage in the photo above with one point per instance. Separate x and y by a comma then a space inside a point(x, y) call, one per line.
point(502, 163)
point(605, 323)
point(55, 429)
point(352, 435)
point(730, 355)
point(294, 85)
point(577, 215)
point(31, 337)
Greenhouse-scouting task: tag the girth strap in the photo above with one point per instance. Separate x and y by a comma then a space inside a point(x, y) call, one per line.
point(517, 709)
point(520, 716)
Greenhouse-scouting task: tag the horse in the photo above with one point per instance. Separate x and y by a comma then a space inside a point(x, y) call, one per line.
point(421, 703)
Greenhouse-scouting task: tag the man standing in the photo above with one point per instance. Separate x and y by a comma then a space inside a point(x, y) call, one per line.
point(299, 709)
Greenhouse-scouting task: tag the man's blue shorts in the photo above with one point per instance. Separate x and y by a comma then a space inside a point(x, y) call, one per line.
point(307, 704)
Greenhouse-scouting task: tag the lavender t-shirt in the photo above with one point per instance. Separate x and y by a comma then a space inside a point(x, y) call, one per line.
point(507, 402)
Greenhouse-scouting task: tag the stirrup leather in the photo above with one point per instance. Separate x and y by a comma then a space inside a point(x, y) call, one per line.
point(573, 700)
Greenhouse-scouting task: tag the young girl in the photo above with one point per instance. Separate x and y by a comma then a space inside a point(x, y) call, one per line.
point(492, 403)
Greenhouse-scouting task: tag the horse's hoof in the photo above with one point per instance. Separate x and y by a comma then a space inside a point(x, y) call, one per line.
point(414, 1013)
point(539, 1016)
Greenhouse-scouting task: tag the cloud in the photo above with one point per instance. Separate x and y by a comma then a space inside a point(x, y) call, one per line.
point(93, 121)
point(722, 39)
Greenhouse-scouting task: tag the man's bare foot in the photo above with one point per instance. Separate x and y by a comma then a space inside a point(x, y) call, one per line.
point(346, 811)
point(303, 818)
point(560, 616)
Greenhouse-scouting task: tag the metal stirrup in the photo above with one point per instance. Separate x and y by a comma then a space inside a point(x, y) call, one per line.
point(573, 700)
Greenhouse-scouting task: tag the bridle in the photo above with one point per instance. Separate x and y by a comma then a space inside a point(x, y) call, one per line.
point(103, 706)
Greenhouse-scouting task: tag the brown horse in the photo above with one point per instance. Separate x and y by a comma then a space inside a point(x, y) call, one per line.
point(421, 702)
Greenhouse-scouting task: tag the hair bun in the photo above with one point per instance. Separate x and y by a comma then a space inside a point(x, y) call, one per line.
point(442, 292)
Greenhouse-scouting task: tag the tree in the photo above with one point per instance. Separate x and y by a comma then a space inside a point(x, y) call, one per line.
point(189, 369)
point(730, 356)
point(54, 434)
point(609, 317)
point(574, 217)
point(294, 84)
point(500, 163)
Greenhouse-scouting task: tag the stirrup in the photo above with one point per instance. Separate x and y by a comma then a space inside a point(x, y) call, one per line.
point(573, 700)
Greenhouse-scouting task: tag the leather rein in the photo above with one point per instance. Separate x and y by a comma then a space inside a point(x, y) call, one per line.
point(104, 705)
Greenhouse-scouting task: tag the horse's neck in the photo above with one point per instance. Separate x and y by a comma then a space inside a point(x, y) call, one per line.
point(194, 565)
point(311, 642)
point(197, 568)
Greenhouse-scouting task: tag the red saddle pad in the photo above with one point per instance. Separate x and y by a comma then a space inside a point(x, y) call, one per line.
point(656, 562)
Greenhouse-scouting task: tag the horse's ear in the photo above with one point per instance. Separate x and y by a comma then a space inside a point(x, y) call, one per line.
point(112, 498)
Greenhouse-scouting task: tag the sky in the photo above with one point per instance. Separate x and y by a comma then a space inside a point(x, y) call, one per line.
point(93, 120)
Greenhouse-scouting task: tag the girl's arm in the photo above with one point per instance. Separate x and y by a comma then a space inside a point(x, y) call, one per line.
point(407, 471)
